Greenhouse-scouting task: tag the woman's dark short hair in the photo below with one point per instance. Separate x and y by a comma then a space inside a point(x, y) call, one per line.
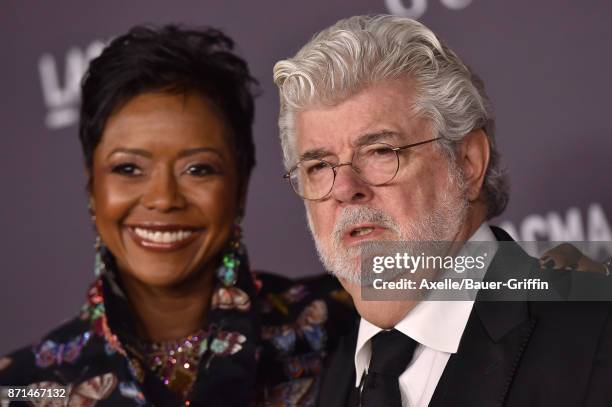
point(176, 60)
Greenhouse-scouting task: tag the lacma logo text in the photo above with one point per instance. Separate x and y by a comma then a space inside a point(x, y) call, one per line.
point(61, 93)
point(416, 8)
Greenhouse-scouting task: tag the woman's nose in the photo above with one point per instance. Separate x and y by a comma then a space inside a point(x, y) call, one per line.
point(163, 193)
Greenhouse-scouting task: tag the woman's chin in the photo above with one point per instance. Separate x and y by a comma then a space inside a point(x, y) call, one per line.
point(162, 277)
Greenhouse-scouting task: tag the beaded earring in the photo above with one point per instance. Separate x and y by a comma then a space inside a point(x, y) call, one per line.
point(227, 296)
point(228, 272)
point(99, 267)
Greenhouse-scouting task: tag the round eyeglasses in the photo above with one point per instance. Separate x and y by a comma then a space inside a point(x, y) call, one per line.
point(375, 164)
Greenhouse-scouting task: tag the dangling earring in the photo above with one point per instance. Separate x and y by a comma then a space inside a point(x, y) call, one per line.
point(99, 267)
point(228, 272)
point(228, 296)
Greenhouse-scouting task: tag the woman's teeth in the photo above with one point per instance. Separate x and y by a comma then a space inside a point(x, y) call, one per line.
point(162, 237)
point(361, 231)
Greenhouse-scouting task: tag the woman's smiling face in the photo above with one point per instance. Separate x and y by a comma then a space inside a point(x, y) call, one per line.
point(164, 187)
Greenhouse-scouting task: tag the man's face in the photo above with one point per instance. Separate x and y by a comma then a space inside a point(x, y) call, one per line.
point(425, 201)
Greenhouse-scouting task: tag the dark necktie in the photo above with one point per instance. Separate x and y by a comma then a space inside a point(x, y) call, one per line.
point(391, 353)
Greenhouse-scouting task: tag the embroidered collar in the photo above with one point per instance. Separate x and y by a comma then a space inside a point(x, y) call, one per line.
point(227, 349)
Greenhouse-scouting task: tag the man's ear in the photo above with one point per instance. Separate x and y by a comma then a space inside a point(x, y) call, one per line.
point(474, 155)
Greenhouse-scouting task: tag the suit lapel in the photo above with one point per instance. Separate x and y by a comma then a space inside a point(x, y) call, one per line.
point(339, 374)
point(482, 370)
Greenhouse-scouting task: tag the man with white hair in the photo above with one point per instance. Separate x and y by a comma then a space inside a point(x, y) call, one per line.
point(388, 136)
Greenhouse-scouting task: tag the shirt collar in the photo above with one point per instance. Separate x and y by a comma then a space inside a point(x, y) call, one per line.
point(438, 325)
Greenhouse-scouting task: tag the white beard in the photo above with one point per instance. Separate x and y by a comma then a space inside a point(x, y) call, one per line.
point(442, 223)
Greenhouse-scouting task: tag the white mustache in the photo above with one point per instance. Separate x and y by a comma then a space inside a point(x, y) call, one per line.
point(355, 215)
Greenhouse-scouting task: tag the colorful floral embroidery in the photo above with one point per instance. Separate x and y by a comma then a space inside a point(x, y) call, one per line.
point(295, 294)
point(282, 337)
point(301, 341)
point(85, 394)
point(315, 313)
point(51, 352)
point(136, 369)
point(227, 343)
point(131, 391)
point(96, 388)
point(231, 298)
point(308, 326)
point(42, 402)
point(97, 315)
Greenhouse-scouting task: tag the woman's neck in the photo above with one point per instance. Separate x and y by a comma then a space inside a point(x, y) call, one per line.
point(170, 313)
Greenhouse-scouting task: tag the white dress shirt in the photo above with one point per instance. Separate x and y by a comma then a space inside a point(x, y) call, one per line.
point(437, 327)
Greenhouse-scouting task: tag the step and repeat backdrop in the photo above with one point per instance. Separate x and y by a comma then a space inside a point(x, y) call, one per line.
point(547, 66)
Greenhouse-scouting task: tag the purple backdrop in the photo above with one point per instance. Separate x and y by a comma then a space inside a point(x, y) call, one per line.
point(546, 65)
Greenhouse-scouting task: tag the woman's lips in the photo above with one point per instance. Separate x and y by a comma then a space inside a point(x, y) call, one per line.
point(163, 237)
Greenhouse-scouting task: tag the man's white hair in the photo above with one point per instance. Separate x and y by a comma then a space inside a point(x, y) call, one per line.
point(360, 51)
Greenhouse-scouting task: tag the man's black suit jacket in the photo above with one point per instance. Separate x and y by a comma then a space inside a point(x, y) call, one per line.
point(521, 353)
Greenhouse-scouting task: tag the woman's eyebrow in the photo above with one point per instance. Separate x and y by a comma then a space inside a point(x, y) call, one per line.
point(147, 154)
point(135, 151)
point(192, 151)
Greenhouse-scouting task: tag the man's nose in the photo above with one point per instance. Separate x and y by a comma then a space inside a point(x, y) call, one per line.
point(163, 193)
point(348, 187)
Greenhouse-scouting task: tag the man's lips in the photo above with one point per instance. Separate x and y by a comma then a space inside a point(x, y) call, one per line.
point(163, 237)
point(358, 233)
